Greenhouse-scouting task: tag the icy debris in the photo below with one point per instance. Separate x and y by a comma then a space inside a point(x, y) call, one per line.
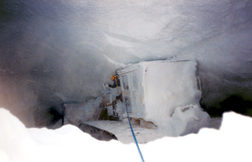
point(188, 119)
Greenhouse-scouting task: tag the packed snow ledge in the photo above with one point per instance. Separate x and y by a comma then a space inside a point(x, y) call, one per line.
point(68, 143)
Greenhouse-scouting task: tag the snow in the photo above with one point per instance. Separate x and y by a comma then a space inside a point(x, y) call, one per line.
point(21, 144)
point(76, 113)
point(123, 132)
point(73, 47)
point(165, 93)
point(167, 87)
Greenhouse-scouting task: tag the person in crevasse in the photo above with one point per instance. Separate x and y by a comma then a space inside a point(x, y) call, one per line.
point(115, 78)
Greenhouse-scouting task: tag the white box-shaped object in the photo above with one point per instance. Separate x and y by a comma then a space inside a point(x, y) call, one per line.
point(154, 89)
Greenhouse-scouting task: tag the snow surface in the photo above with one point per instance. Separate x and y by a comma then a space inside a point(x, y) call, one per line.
point(73, 47)
point(169, 88)
point(20, 144)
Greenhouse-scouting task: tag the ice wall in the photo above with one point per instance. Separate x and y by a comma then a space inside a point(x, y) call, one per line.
point(72, 47)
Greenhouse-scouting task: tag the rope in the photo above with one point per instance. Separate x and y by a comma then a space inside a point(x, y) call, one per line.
point(133, 134)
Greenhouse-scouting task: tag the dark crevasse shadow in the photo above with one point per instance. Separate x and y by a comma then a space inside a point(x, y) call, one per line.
point(232, 103)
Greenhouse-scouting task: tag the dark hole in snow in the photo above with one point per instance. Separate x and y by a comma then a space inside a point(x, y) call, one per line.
point(232, 103)
point(55, 115)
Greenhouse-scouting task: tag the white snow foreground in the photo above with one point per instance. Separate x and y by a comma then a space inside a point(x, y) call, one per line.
point(19, 144)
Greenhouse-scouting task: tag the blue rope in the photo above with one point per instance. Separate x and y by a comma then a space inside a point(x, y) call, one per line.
point(133, 134)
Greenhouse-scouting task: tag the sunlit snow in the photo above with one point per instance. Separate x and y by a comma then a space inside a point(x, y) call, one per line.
point(19, 144)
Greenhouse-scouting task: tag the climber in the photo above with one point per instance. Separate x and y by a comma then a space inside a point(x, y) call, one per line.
point(116, 80)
